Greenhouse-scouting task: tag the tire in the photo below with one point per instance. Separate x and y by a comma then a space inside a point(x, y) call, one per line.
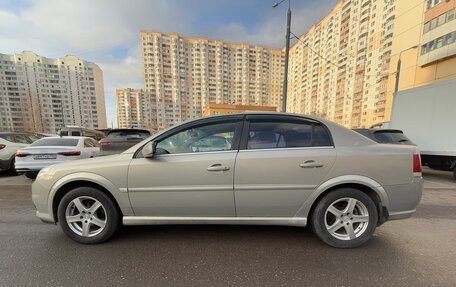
point(454, 172)
point(31, 174)
point(101, 223)
point(333, 211)
point(12, 168)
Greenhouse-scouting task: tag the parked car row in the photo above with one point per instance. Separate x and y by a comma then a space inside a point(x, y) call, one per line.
point(30, 152)
point(10, 142)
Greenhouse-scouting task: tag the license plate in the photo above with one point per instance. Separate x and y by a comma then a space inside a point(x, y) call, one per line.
point(45, 156)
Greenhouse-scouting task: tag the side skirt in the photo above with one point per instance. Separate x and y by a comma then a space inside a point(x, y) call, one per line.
point(159, 220)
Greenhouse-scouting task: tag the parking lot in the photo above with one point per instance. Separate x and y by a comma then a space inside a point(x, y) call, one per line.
point(416, 252)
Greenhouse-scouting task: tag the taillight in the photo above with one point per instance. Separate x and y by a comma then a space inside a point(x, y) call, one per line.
point(416, 164)
point(22, 154)
point(104, 144)
point(2, 146)
point(70, 153)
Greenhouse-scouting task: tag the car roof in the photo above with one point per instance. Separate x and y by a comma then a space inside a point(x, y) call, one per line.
point(65, 137)
point(15, 133)
point(128, 130)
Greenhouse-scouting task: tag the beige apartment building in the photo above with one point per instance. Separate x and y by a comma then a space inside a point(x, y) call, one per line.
point(131, 104)
point(425, 40)
point(339, 69)
point(182, 75)
point(43, 95)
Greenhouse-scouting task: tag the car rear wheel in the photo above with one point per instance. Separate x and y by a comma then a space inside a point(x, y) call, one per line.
point(88, 216)
point(344, 218)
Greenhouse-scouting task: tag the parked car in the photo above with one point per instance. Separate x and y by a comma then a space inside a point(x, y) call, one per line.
point(81, 132)
point(51, 150)
point(278, 169)
point(385, 136)
point(10, 142)
point(118, 140)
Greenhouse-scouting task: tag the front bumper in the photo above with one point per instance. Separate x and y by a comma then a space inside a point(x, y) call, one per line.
point(40, 197)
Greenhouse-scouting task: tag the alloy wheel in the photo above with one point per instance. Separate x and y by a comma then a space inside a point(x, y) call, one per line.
point(346, 218)
point(86, 216)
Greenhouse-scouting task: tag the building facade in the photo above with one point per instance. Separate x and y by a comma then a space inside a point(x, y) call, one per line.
point(182, 75)
point(131, 104)
point(425, 41)
point(224, 109)
point(43, 95)
point(339, 69)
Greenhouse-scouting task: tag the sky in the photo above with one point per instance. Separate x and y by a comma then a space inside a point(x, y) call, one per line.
point(106, 32)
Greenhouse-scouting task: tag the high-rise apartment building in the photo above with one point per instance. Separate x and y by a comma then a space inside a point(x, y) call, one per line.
point(425, 40)
point(339, 69)
point(42, 94)
point(182, 75)
point(131, 104)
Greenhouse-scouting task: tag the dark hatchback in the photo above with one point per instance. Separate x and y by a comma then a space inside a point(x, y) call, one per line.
point(119, 140)
point(385, 136)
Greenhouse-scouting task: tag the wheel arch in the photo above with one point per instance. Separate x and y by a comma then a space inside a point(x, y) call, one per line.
point(68, 183)
point(364, 184)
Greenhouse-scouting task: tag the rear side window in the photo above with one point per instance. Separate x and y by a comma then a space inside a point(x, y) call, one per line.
point(55, 142)
point(124, 135)
point(266, 135)
point(392, 138)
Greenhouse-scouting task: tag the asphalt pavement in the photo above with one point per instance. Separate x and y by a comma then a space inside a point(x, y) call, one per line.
point(420, 251)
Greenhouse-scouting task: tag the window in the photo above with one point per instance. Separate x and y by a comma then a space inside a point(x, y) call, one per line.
point(281, 134)
point(88, 143)
point(19, 139)
point(55, 142)
point(205, 138)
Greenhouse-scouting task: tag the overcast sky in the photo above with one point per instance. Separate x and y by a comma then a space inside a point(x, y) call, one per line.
point(107, 31)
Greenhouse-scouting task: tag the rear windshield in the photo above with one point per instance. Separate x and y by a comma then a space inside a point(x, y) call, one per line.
point(127, 135)
point(55, 142)
point(392, 137)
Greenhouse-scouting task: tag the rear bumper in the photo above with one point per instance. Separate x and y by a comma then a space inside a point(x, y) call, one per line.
point(401, 214)
point(33, 166)
point(404, 198)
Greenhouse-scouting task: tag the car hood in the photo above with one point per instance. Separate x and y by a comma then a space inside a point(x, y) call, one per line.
point(98, 164)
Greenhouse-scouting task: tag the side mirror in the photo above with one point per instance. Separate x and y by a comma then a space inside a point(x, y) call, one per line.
point(149, 149)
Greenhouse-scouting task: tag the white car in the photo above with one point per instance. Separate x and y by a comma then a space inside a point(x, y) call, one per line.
point(52, 150)
point(10, 142)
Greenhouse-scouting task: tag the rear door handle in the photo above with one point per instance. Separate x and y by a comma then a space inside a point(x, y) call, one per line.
point(218, 167)
point(311, 164)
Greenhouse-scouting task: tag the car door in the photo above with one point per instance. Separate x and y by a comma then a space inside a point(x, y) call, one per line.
point(191, 174)
point(282, 159)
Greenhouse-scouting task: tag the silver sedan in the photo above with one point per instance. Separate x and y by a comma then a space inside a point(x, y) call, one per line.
point(251, 168)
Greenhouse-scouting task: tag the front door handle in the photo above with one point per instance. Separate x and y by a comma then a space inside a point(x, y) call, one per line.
point(218, 167)
point(311, 164)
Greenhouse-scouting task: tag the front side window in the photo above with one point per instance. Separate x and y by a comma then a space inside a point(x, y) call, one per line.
point(211, 137)
point(267, 135)
point(87, 143)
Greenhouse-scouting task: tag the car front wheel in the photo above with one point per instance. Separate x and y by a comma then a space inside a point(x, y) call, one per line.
point(344, 218)
point(88, 216)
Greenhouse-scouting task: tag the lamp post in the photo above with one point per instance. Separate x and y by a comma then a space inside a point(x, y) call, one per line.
point(398, 70)
point(287, 51)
